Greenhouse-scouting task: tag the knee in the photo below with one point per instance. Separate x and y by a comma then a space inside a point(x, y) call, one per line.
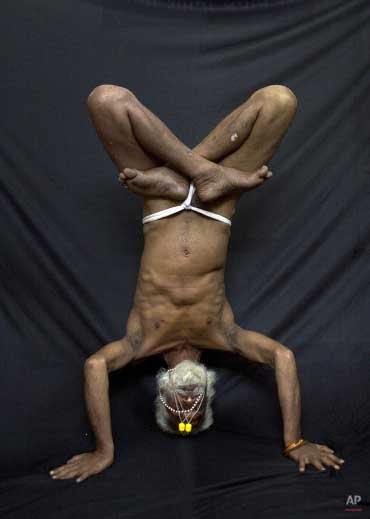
point(108, 95)
point(278, 97)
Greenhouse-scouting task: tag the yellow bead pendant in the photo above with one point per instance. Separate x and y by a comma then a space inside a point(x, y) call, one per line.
point(181, 426)
point(188, 427)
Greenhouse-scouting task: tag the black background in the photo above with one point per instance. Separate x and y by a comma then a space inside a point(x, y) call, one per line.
point(71, 238)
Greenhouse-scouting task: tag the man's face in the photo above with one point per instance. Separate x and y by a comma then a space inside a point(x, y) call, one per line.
point(186, 395)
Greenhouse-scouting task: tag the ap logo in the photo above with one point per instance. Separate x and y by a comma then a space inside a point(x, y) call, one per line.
point(352, 502)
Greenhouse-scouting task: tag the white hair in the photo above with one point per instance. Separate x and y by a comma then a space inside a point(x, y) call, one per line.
point(186, 372)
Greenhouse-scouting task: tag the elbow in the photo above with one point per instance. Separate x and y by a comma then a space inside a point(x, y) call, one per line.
point(94, 362)
point(285, 355)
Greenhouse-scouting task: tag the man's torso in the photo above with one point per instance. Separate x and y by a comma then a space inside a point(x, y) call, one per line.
point(180, 293)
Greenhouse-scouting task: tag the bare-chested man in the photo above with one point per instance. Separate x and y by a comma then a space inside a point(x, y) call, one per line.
point(180, 307)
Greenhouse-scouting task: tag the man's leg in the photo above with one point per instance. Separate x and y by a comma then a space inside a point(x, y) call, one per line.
point(107, 105)
point(244, 140)
point(259, 126)
point(132, 133)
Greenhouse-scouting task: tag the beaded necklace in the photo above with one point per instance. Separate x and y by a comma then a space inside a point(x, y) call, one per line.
point(187, 414)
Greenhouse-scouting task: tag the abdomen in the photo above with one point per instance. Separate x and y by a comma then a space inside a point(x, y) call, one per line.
point(185, 243)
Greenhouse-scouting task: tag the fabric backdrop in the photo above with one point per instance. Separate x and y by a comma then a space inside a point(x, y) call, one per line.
point(71, 238)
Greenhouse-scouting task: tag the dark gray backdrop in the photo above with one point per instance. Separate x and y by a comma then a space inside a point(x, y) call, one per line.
point(71, 239)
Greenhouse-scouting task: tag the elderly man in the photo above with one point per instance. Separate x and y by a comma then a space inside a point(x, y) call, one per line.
point(180, 307)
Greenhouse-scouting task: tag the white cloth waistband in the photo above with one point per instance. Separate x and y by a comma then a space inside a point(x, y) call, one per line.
point(187, 206)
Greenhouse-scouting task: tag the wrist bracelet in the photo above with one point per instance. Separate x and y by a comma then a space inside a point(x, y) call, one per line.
point(294, 445)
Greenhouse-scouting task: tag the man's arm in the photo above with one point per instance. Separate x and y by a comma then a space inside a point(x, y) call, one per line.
point(260, 348)
point(113, 356)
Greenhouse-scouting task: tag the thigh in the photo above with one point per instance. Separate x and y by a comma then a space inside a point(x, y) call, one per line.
point(275, 108)
point(107, 106)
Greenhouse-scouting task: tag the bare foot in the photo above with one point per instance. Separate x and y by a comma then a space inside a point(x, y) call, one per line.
point(216, 181)
point(159, 182)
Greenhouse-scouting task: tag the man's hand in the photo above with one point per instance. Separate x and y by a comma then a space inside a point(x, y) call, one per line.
point(82, 466)
point(316, 454)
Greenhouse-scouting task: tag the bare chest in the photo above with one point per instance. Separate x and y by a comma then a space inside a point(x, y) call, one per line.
point(161, 321)
point(180, 294)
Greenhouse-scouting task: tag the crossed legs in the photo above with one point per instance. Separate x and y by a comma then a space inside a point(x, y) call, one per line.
point(154, 162)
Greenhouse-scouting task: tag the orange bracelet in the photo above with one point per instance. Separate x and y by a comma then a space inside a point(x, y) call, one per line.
point(294, 445)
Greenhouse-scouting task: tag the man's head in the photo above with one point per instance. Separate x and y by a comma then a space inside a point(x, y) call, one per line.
point(184, 395)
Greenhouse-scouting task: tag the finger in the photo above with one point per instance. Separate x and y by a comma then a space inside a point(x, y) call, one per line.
point(61, 473)
point(335, 463)
point(336, 459)
point(82, 477)
point(302, 465)
point(324, 447)
point(57, 476)
point(317, 463)
point(73, 460)
point(73, 465)
point(67, 475)
point(330, 462)
point(57, 470)
point(71, 473)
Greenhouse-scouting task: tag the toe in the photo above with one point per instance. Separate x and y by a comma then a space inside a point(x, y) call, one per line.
point(130, 173)
point(262, 172)
point(83, 476)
